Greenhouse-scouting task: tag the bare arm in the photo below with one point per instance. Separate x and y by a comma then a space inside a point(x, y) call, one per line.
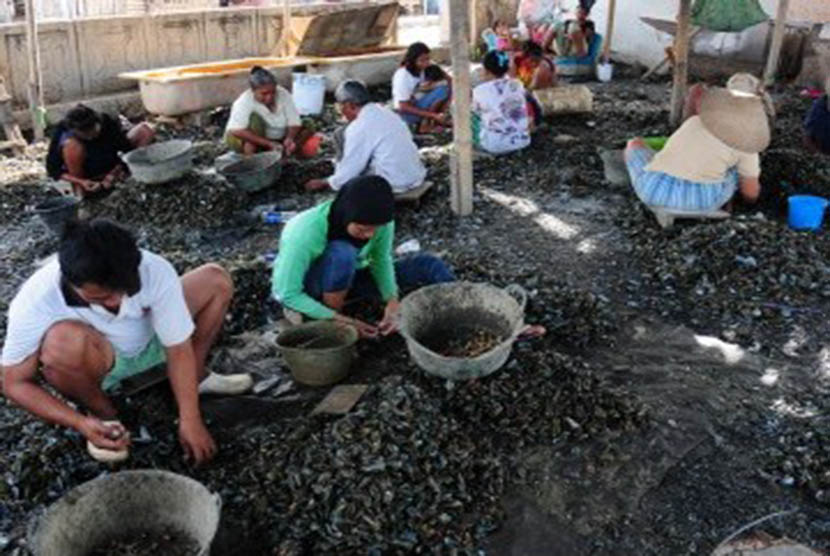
point(194, 437)
point(750, 189)
point(251, 137)
point(543, 77)
point(73, 157)
point(409, 108)
point(292, 132)
point(20, 386)
point(512, 68)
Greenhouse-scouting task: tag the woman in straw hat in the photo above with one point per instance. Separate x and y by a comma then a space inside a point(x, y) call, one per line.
point(745, 82)
point(817, 123)
point(708, 159)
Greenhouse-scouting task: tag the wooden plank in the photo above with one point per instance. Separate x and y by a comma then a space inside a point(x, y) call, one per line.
point(681, 66)
point(777, 42)
point(341, 399)
point(461, 159)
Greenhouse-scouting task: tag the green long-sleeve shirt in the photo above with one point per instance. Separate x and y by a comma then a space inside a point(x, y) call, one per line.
point(304, 239)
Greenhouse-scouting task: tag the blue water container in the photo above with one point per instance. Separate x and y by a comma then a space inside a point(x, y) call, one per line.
point(806, 212)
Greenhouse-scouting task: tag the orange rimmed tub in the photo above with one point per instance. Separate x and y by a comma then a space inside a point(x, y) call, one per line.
point(183, 89)
point(180, 90)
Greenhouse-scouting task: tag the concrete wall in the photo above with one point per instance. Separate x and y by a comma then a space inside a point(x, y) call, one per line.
point(82, 58)
point(635, 41)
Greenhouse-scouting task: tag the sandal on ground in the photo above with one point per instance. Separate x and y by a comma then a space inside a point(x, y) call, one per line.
point(226, 385)
point(532, 331)
point(105, 455)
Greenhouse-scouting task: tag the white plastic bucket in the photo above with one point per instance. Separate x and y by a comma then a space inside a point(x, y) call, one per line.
point(605, 71)
point(308, 91)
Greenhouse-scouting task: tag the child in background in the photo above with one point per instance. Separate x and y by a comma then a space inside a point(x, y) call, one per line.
point(434, 78)
point(504, 41)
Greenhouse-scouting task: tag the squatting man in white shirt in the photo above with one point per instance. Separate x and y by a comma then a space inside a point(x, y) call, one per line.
point(376, 142)
point(106, 310)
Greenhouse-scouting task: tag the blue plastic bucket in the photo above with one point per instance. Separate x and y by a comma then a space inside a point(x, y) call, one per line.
point(806, 212)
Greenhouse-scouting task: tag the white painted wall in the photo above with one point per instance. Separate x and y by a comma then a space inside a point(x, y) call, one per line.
point(634, 40)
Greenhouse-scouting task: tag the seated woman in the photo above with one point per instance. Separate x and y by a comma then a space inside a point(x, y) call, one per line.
point(405, 82)
point(343, 249)
point(573, 37)
point(501, 123)
point(535, 71)
point(708, 159)
point(85, 148)
point(817, 123)
point(533, 68)
point(264, 118)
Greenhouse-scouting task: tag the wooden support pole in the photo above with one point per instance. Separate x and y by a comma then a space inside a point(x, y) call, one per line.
point(681, 61)
point(284, 48)
point(777, 42)
point(475, 31)
point(35, 78)
point(461, 159)
point(609, 31)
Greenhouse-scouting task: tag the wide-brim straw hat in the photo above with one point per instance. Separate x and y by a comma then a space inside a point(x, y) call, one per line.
point(748, 83)
point(737, 118)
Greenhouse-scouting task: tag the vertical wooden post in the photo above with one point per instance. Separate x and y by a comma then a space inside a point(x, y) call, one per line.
point(681, 61)
point(35, 78)
point(461, 159)
point(777, 42)
point(285, 37)
point(609, 31)
point(472, 14)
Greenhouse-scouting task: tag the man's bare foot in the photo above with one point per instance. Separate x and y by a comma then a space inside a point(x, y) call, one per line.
point(532, 331)
point(316, 185)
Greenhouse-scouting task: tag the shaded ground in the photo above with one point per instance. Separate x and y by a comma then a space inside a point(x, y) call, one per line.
point(680, 393)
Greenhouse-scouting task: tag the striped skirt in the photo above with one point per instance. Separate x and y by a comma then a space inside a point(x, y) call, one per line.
point(658, 189)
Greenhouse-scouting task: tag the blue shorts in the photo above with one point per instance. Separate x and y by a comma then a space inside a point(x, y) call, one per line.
point(425, 102)
point(336, 270)
point(660, 190)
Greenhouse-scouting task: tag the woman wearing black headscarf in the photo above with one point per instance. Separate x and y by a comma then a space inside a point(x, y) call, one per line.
point(343, 249)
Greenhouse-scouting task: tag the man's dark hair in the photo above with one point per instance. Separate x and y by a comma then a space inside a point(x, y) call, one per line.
point(434, 73)
point(100, 252)
point(81, 118)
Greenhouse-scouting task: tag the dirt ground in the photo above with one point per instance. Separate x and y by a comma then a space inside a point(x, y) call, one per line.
point(680, 393)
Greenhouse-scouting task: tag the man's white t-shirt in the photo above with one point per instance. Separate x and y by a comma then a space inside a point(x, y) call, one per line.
point(378, 143)
point(277, 122)
point(404, 85)
point(158, 308)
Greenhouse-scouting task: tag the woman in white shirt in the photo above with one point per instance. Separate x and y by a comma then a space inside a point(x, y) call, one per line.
point(432, 105)
point(264, 118)
point(501, 123)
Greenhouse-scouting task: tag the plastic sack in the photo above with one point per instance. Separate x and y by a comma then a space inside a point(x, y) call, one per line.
point(540, 12)
point(727, 15)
